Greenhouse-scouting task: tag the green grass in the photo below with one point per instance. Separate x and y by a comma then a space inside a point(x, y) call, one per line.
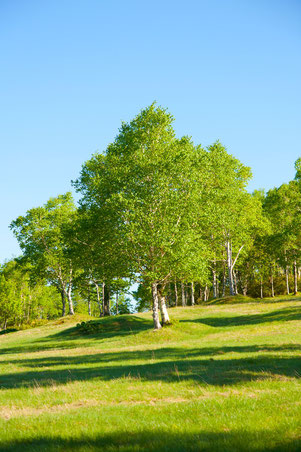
point(223, 377)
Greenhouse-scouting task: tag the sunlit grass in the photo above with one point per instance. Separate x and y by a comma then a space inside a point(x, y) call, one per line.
point(223, 377)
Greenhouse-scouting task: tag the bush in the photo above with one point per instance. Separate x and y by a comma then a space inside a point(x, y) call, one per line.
point(89, 327)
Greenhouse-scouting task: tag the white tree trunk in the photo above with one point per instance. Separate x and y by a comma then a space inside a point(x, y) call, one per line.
point(117, 303)
point(229, 265)
point(214, 283)
point(295, 279)
point(183, 293)
point(70, 302)
point(192, 294)
point(224, 280)
point(206, 293)
point(286, 280)
point(164, 313)
point(176, 294)
point(103, 298)
point(98, 298)
point(235, 283)
point(157, 324)
point(69, 294)
point(272, 285)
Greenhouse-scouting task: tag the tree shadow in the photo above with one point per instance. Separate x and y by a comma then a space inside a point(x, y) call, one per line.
point(285, 314)
point(242, 299)
point(173, 353)
point(109, 327)
point(160, 441)
point(8, 330)
point(196, 365)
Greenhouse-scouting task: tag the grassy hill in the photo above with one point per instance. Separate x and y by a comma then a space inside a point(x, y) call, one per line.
point(222, 377)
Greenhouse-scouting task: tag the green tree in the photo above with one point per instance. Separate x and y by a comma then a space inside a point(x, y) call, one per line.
point(235, 215)
point(146, 188)
point(10, 304)
point(41, 234)
point(283, 207)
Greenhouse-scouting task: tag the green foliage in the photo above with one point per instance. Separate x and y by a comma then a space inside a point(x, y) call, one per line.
point(89, 327)
point(10, 304)
point(23, 301)
point(158, 209)
point(124, 305)
point(298, 169)
point(143, 297)
point(148, 179)
point(43, 237)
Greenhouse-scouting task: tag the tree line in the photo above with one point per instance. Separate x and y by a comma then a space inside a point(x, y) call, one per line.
point(157, 210)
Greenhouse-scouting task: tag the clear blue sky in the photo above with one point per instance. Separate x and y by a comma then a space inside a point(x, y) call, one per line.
point(72, 70)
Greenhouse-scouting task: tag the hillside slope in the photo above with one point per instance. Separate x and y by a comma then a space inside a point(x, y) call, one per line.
point(224, 377)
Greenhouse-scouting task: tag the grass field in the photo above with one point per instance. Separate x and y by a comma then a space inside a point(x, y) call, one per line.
point(223, 377)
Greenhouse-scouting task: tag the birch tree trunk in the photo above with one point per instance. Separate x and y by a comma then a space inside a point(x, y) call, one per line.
point(106, 311)
point(214, 285)
point(245, 289)
point(295, 279)
point(286, 281)
point(69, 298)
point(164, 313)
point(235, 283)
point(69, 293)
point(89, 302)
point(206, 293)
point(183, 293)
point(186, 297)
point(98, 299)
point(157, 324)
point(63, 303)
point(229, 265)
point(29, 307)
point(272, 285)
point(103, 296)
point(117, 303)
point(176, 294)
point(201, 294)
point(192, 294)
point(224, 280)
point(261, 289)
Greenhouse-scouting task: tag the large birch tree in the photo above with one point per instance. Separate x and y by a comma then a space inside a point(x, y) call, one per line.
point(148, 183)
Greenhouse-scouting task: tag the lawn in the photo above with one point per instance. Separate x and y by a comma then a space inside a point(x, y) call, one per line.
point(222, 377)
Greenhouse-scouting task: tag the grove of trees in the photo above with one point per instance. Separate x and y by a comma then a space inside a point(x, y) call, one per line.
point(157, 210)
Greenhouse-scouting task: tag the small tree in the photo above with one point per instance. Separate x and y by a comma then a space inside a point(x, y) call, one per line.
point(41, 234)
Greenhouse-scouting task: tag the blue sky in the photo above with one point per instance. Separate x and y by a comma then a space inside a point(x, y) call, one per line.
point(71, 71)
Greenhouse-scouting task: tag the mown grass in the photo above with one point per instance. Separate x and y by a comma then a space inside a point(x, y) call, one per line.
point(223, 377)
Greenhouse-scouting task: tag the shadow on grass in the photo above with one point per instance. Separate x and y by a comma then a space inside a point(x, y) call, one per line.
point(126, 325)
point(122, 326)
point(241, 299)
point(176, 364)
point(150, 355)
point(281, 315)
point(160, 441)
point(8, 330)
